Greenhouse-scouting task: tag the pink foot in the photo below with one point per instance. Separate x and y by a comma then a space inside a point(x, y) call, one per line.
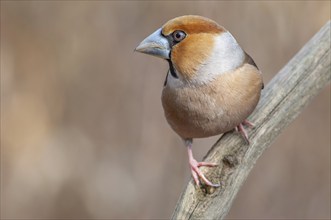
point(248, 123)
point(196, 173)
point(242, 130)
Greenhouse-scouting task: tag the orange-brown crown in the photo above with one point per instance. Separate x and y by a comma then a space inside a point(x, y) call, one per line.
point(192, 24)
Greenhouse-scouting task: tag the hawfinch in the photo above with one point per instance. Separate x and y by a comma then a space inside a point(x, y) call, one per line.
point(212, 85)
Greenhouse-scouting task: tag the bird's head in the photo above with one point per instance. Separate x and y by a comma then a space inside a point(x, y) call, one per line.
point(196, 48)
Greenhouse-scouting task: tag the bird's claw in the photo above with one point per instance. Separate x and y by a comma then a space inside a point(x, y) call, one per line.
point(248, 123)
point(196, 172)
point(242, 130)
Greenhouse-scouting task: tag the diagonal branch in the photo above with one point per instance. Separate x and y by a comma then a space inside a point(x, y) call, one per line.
point(307, 73)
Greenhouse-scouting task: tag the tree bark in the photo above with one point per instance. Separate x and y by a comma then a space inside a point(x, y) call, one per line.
point(281, 102)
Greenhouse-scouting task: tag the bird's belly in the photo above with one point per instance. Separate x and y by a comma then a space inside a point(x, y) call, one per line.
point(189, 122)
point(196, 114)
point(210, 109)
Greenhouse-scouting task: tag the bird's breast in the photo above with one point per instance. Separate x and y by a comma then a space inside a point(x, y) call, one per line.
point(214, 108)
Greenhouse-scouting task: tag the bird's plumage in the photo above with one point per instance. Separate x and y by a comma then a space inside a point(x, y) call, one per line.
point(212, 85)
point(214, 108)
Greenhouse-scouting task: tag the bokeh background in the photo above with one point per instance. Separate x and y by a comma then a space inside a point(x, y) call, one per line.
point(82, 128)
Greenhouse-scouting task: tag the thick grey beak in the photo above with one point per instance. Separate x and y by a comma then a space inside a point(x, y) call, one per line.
point(156, 45)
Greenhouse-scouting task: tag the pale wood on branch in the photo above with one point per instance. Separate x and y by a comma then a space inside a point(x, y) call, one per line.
point(282, 100)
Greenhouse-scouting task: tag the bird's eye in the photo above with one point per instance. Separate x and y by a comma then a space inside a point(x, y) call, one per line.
point(178, 36)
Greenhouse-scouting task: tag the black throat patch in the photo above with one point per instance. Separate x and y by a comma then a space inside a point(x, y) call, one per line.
point(172, 69)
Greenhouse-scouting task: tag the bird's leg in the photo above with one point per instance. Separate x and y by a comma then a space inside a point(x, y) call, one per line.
point(242, 130)
point(194, 165)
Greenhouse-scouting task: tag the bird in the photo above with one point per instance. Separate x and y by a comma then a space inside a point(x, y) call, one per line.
point(212, 85)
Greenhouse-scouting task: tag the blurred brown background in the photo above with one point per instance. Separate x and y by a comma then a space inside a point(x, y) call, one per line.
point(82, 127)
